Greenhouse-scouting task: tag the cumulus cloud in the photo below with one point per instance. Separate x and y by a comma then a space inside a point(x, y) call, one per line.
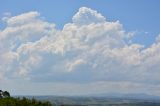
point(22, 19)
point(87, 50)
point(86, 16)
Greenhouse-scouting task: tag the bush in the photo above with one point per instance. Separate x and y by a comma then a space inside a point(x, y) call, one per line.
point(23, 102)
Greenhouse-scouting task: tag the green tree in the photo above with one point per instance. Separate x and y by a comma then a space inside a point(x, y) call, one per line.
point(22, 102)
point(6, 94)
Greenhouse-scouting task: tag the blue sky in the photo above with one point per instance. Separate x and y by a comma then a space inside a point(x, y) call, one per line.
point(77, 45)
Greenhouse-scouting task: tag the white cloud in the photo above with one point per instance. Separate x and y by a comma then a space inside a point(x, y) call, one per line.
point(88, 50)
point(22, 19)
point(87, 16)
point(73, 65)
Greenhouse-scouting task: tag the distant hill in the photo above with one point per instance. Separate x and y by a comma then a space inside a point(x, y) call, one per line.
point(129, 96)
point(97, 101)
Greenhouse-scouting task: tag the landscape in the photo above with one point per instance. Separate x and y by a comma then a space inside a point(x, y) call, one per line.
point(79, 53)
point(80, 101)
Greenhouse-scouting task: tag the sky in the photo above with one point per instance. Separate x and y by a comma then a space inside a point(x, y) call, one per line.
point(88, 47)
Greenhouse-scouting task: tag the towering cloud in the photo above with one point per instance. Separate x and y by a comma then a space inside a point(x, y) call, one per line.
point(90, 49)
point(87, 16)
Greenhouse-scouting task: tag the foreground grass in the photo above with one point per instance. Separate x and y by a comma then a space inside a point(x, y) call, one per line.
point(23, 102)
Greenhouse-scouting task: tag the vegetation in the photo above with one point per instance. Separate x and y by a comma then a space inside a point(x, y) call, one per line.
point(10, 101)
point(4, 94)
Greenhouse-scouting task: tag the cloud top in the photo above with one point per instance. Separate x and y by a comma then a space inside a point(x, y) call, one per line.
point(87, 16)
